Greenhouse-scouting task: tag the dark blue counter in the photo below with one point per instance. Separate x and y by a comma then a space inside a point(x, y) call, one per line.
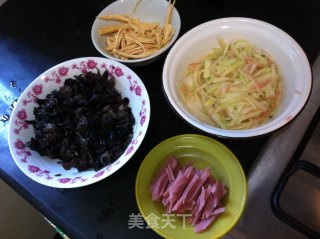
point(35, 35)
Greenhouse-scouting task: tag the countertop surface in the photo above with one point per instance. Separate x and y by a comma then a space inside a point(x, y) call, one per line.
point(36, 35)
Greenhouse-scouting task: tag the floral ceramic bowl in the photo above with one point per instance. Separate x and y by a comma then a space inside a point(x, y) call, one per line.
point(47, 171)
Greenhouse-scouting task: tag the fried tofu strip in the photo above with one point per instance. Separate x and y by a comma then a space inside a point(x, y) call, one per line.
point(134, 39)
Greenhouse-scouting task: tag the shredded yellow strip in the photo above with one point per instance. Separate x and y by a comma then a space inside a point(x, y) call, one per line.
point(233, 87)
point(133, 39)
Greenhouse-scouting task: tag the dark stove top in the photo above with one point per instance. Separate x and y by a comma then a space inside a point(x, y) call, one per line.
point(297, 195)
point(284, 184)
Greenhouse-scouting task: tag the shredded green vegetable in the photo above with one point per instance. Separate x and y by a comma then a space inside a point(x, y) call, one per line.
point(235, 86)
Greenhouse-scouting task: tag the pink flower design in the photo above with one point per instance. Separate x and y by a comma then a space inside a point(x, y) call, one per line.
point(110, 74)
point(99, 174)
point(74, 66)
point(109, 168)
point(16, 131)
point(64, 180)
point(37, 89)
point(142, 120)
point(129, 77)
point(25, 125)
point(138, 90)
point(19, 144)
point(118, 72)
point(58, 80)
point(22, 114)
point(91, 64)
point(24, 102)
point(46, 79)
point(129, 150)
point(63, 71)
point(33, 169)
point(103, 65)
point(84, 71)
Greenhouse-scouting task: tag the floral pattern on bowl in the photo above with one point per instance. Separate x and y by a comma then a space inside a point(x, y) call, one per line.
point(49, 172)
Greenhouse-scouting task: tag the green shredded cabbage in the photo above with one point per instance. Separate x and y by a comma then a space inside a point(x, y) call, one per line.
point(235, 86)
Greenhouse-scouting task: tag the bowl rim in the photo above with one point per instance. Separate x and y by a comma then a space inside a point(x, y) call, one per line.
point(222, 146)
point(93, 178)
point(140, 60)
point(236, 134)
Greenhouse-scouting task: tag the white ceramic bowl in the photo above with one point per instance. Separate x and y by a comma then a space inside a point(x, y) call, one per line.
point(47, 171)
point(148, 11)
point(292, 61)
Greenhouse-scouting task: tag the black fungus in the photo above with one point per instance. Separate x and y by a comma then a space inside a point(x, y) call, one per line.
point(86, 123)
